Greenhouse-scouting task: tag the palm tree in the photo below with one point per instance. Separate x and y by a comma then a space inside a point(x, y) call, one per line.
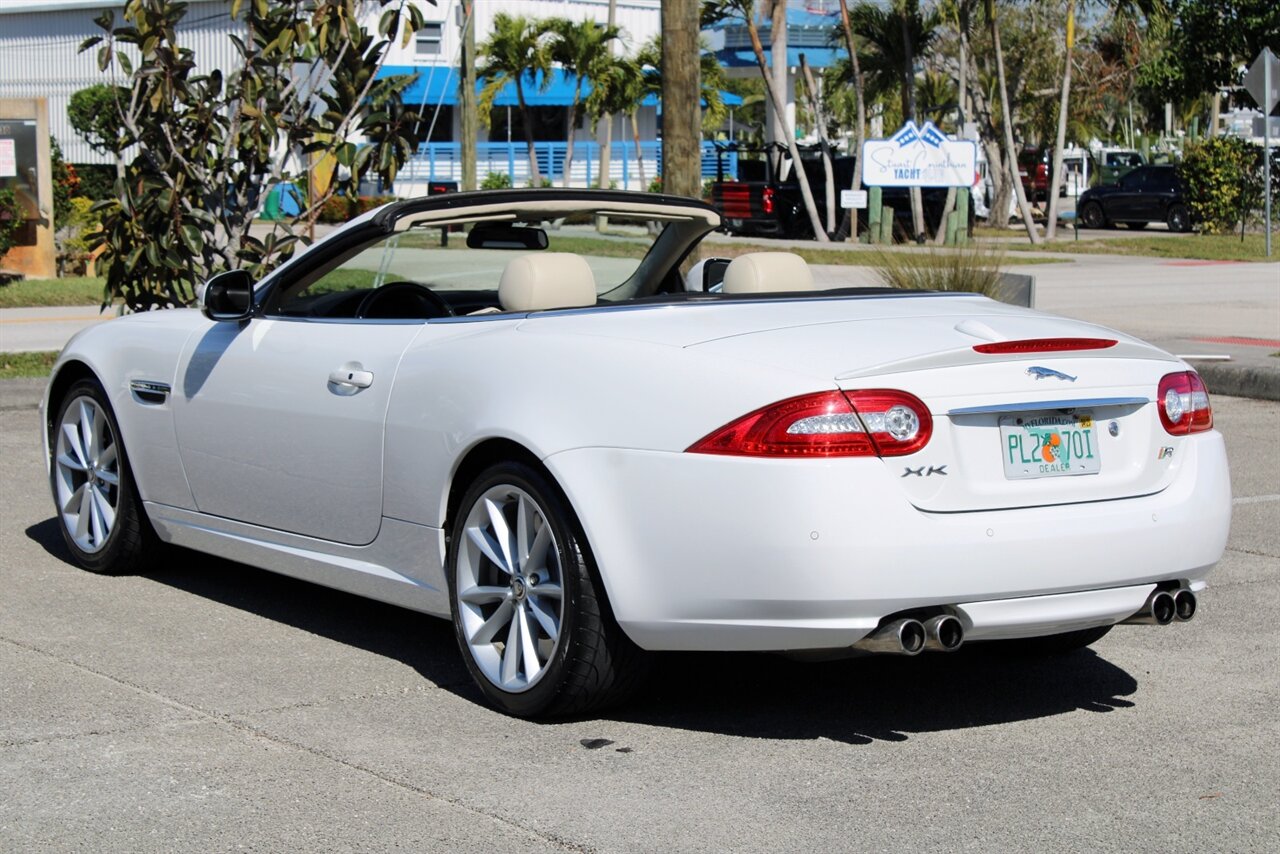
point(582, 49)
point(855, 73)
point(517, 48)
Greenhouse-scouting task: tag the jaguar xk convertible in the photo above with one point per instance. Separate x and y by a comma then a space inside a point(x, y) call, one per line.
point(534, 414)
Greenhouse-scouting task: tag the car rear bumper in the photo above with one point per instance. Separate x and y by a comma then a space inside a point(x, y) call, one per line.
point(701, 552)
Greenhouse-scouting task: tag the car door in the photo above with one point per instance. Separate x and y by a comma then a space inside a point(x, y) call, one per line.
point(280, 418)
point(1157, 193)
point(1126, 202)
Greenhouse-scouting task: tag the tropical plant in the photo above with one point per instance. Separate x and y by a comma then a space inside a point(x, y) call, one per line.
point(11, 220)
point(855, 76)
point(516, 52)
point(1222, 179)
point(582, 49)
point(209, 145)
point(94, 113)
point(1006, 120)
point(974, 269)
point(496, 181)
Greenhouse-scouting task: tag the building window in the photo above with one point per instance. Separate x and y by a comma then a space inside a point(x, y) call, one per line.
point(429, 40)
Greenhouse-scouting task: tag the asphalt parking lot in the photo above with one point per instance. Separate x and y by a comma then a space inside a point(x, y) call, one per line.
point(209, 706)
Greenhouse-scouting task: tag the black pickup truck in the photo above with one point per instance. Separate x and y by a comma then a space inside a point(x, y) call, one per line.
point(759, 204)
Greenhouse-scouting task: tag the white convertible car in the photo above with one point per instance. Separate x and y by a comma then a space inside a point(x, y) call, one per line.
point(470, 406)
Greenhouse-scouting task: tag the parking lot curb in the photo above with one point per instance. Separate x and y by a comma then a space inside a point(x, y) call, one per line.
point(22, 393)
point(1259, 383)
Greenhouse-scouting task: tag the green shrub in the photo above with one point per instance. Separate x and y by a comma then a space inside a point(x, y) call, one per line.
point(97, 180)
point(1222, 179)
point(496, 181)
point(973, 270)
point(11, 220)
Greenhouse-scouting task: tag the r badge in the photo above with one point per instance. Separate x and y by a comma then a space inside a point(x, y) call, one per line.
point(1165, 453)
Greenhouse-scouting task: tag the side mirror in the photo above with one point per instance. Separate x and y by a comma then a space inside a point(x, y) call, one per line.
point(228, 296)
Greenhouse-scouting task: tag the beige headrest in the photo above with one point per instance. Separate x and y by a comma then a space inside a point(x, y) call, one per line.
point(765, 272)
point(546, 280)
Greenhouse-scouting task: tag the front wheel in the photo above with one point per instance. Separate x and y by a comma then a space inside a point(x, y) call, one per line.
point(1178, 219)
point(101, 515)
point(529, 611)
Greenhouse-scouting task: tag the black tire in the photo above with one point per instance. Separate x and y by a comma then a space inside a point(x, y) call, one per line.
point(1178, 218)
point(131, 545)
point(1091, 216)
point(1135, 226)
point(593, 663)
point(1059, 644)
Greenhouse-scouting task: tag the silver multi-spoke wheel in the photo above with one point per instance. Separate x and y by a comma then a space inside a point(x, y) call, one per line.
point(87, 474)
point(509, 587)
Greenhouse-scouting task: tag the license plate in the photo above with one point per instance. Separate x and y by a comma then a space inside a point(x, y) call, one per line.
point(1049, 444)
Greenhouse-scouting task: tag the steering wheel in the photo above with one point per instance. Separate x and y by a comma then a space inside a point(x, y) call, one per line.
point(405, 300)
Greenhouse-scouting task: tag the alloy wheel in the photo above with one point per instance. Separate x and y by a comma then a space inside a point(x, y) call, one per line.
point(509, 588)
point(87, 474)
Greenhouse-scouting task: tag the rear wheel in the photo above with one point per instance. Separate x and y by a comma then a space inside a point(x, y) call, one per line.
point(528, 608)
point(1178, 218)
point(1091, 216)
point(99, 511)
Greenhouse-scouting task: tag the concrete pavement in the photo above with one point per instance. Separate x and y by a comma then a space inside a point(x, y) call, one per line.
point(45, 328)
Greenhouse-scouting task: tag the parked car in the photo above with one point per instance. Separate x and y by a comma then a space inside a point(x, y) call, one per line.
point(1112, 164)
point(1144, 195)
point(1035, 167)
point(578, 460)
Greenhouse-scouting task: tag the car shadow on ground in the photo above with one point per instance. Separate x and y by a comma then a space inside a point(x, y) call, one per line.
point(854, 701)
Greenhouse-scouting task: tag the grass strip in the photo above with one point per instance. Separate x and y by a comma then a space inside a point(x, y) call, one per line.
point(18, 365)
point(1192, 247)
point(73, 290)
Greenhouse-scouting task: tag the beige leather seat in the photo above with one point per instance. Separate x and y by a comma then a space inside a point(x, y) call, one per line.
point(767, 272)
point(546, 280)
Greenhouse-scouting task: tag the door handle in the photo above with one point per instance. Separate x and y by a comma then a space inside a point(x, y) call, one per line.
point(351, 378)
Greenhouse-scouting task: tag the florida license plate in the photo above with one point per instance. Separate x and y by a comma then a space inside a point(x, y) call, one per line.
point(1049, 444)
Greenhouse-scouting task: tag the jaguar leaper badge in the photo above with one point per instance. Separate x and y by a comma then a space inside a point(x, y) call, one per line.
point(1041, 373)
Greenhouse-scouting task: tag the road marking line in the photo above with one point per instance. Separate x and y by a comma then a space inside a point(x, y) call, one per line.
point(1256, 499)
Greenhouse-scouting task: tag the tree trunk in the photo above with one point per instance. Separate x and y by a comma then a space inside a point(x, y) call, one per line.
point(779, 68)
point(635, 135)
point(606, 131)
point(681, 112)
point(468, 114)
point(1051, 227)
point(821, 121)
point(998, 204)
point(858, 91)
point(1007, 120)
point(801, 178)
point(572, 121)
point(909, 110)
point(535, 177)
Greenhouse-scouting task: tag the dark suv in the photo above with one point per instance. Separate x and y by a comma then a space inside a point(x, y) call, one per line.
point(1147, 194)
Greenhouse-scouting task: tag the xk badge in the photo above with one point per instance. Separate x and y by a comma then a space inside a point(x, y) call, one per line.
point(908, 471)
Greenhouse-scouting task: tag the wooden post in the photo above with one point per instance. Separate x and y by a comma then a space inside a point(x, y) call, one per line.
point(962, 215)
point(873, 215)
point(468, 111)
point(886, 225)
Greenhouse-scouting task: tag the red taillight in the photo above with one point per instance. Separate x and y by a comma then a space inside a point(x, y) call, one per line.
point(1044, 345)
point(827, 424)
point(766, 200)
point(1183, 403)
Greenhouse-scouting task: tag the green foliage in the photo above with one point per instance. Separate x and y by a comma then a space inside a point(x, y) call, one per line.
point(1209, 41)
point(1220, 177)
point(208, 145)
point(11, 219)
point(23, 365)
point(516, 52)
point(339, 209)
point(95, 114)
point(66, 183)
point(97, 180)
point(69, 290)
point(496, 181)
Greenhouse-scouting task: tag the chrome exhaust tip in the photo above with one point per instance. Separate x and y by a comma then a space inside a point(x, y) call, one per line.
point(944, 632)
point(902, 637)
point(1184, 604)
point(1159, 610)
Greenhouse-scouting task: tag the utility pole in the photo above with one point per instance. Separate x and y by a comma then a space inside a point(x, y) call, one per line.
point(467, 95)
point(681, 88)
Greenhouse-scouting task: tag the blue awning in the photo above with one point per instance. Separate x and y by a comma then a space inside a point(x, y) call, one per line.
point(439, 85)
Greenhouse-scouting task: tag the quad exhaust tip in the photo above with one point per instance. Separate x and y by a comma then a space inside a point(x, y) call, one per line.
point(1163, 607)
point(903, 637)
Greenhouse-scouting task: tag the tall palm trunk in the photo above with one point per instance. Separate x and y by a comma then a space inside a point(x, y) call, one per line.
point(801, 178)
point(861, 130)
point(1051, 226)
point(606, 133)
point(527, 120)
point(820, 119)
point(1007, 120)
point(635, 136)
point(909, 109)
point(572, 120)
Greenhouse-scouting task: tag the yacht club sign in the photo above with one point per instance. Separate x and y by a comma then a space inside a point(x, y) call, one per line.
point(919, 157)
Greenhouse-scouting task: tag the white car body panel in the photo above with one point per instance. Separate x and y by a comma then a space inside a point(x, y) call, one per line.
point(256, 457)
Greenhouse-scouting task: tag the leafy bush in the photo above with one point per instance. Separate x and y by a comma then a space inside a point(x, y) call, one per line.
point(972, 270)
point(339, 209)
point(1222, 178)
point(76, 234)
point(11, 220)
point(496, 181)
point(97, 180)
